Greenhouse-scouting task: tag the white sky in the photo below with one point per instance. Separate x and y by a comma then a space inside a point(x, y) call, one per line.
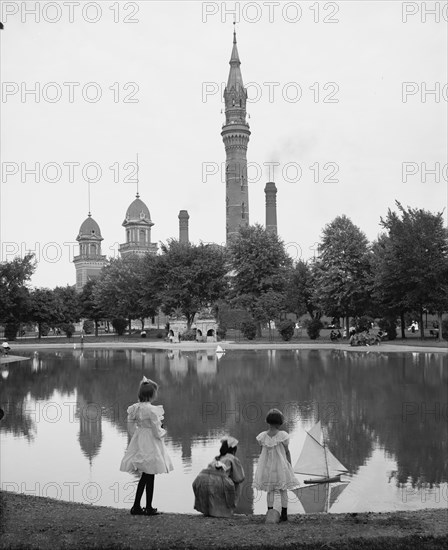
point(171, 53)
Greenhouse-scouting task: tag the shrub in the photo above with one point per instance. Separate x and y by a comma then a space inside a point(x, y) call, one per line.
point(44, 329)
point(68, 328)
point(11, 329)
point(189, 335)
point(249, 329)
point(445, 328)
point(286, 329)
point(160, 334)
point(221, 332)
point(363, 323)
point(389, 325)
point(119, 326)
point(88, 327)
point(313, 328)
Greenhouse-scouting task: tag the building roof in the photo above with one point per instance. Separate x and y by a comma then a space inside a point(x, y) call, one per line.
point(137, 212)
point(235, 78)
point(89, 228)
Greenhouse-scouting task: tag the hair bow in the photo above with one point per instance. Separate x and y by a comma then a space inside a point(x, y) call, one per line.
point(231, 441)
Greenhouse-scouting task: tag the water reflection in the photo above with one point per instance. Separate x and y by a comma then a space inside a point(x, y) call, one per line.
point(384, 415)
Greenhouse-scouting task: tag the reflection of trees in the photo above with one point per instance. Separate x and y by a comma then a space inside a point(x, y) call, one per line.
point(359, 397)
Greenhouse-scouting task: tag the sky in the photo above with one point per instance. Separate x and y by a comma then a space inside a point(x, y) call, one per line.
point(347, 106)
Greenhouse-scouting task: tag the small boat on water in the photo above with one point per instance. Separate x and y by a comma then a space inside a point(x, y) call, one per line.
point(317, 460)
point(220, 350)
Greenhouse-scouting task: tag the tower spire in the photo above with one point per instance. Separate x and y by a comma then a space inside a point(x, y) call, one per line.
point(137, 194)
point(88, 198)
point(235, 134)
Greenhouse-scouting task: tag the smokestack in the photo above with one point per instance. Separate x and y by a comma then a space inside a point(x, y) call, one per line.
point(271, 207)
point(183, 226)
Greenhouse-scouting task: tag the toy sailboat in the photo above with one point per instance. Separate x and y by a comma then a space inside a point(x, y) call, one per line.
point(220, 350)
point(317, 460)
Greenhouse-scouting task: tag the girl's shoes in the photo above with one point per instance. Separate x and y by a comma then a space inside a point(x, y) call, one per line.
point(284, 515)
point(137, 511)
point(151, 512)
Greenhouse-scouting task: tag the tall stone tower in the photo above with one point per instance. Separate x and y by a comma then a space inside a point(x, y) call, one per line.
point(89, 262)
point(138, 225)
point(183, 226)
point(235, 134)
point(271, 207)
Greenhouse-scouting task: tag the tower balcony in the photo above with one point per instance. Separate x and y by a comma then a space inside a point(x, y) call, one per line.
point(236, 126)
point(89, 258)
point(138, 248)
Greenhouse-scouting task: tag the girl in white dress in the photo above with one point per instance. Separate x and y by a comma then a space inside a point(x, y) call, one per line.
point(274, 470)
point(146, 453)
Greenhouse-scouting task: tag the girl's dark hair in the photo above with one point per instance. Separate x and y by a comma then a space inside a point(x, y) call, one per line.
point(225, 449)
point(275, 417)
point(147, 390)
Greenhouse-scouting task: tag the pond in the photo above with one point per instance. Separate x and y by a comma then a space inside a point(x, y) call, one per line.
point(384, 417)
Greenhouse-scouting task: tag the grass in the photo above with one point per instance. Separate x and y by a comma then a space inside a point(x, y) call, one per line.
point(40, 523)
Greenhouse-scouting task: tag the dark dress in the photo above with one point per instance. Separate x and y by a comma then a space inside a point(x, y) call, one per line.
point(217, 487)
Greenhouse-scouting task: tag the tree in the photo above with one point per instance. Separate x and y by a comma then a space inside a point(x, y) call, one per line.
point(68, 306)
point(44, 308)
point(119, 291)
point(414, 265)
point(269, 306)
point(260, 265)
point(342, 270)
point(190, 277)
point(14, 293)
point(387, 291)
point(89, 307)
point(300, 294)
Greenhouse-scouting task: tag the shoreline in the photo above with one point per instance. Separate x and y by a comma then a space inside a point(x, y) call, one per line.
point(40, 523)
point(232, 345)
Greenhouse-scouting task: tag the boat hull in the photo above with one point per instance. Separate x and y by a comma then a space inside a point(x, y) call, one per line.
point(334, 479)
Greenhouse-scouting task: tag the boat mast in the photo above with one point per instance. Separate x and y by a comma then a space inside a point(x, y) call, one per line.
point(325, 452)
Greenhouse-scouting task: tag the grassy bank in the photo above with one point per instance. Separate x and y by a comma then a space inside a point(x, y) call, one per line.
point(41, 523)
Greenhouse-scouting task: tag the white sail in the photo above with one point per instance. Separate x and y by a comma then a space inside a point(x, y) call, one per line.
point(334, 466)
point(315, 458)
point(316, 432)
point(219, 349)
point(312, 459)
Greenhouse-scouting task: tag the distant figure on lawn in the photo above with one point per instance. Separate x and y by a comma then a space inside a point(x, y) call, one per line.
point(217, 488)
point(6, 348)
point(146, 453)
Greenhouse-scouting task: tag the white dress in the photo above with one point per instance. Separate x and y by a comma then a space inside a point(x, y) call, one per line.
point(146, 451)
point(274, 472)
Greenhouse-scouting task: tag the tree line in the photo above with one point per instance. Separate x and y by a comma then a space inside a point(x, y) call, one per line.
point(252, 280)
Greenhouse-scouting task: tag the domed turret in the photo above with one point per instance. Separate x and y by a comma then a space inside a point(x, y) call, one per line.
point(138, 230)
point(138, 212)
point(89, 228)
point(89, 262)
